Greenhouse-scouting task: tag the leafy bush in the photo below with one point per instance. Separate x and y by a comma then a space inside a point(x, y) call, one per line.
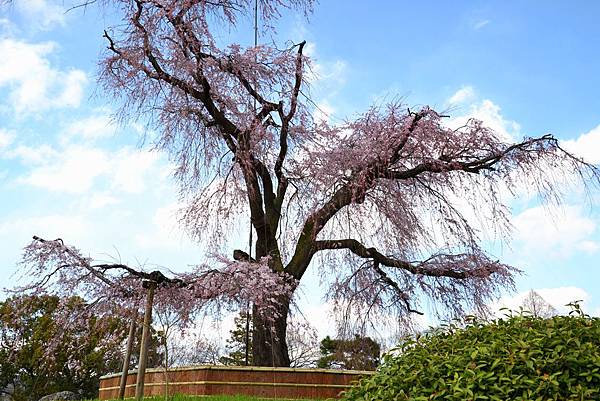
point(518, 358)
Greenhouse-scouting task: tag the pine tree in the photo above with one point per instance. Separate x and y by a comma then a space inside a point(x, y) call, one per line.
point(236, 344)
point(359, 353)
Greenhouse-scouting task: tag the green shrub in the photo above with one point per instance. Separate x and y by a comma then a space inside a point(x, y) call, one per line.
point(517, 358)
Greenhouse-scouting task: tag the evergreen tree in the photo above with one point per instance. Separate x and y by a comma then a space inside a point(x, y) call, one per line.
point(82, 348)
point(236, 344)
point(359, 353)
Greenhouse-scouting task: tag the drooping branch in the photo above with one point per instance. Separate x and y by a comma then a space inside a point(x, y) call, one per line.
point(228, 129)
point(53, 266)
point(59, 246)
point(425, 268)
point(375, 285)
point(344, 196)
point(265, 205)
point(398, 163)
point(68, 258)
point(387, 280)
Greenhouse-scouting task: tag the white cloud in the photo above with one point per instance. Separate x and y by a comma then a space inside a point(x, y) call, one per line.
point(477, 25)
point(33, 83)
point(51, 226)
point(7, 27)
point(586, 145)
point(165, 232)
point(33, 155)
point(6, 138)
point(73, 171)
point(102, 199)
point(589, 246)
point(77, 168)
point(330, 72)
point(464, 94)
point(42, 14)
point(488, 112)
point(559, 232)
point(131, 169)
point(91, 128)
point(323, 112)
point(72, 92)
point(102, 220)
point(329, 77)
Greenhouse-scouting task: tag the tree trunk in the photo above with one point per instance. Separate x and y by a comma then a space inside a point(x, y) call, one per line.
point(269, 347)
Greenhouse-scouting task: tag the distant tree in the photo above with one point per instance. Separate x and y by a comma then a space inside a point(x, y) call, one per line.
point(236, 343)
point(359, 353)
point(46, 348)
point(303, 344)
point(155, 348)
point(538, 306)
point(194, 349)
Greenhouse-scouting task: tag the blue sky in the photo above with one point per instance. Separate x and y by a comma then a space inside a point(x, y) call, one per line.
point(525, 68)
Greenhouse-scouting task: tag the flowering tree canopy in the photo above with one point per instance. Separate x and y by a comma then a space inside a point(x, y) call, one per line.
point(390, 199)
point(115, 289)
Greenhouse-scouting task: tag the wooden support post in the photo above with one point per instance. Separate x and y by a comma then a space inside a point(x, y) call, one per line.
point(139, 387)
point(247, 338)
point(127, 359)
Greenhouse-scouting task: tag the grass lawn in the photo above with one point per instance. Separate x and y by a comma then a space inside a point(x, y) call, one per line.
point(216, 398)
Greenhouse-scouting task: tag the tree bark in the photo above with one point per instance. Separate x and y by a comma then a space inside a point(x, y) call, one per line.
point(269, 347)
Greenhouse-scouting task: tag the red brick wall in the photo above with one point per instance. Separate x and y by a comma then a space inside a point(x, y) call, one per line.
point(256, 381)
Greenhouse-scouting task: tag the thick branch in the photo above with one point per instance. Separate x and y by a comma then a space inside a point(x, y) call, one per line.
point(99, 271)
point(371, 253)
point(344, 196)
point(228, 130)
point(84, 263)
point(155, 276)
point(297, 83)
point(442, 165)
point(285, 126)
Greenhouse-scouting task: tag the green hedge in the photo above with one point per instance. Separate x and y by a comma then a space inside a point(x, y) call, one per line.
point(517, 358)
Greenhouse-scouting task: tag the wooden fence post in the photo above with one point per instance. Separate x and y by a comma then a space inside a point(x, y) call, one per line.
point(139, 387)
point(127, 359)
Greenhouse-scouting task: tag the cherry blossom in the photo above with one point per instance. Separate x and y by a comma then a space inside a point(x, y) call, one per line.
point(388, 201)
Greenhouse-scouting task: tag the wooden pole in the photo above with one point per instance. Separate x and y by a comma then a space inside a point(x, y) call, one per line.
point(247, 334)
point(127, 359)
point(139, 386)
